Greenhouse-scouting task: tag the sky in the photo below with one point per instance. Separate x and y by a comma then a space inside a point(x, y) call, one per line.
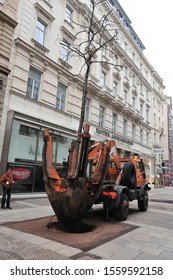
point(151, 19)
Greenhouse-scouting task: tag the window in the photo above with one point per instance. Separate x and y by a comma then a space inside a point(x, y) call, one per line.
point(141, 135)
point(148, 135)
point(141, 67)
point(154, 119)
point(64, 51)
point(133, 131)
point(125, 127)
point(141, 110)
point(91, 35)
point(116, 60)
point(40, 31)
point(103, 79)
point(114, 122)
point(125, 46)
point(134, 102)
point(61, 96)
point(155, 138)
point(133, 56)
point(87, 107)
point(33, 84)
point(147, 114)
point(146, 74)
point(125, 97)
point(27, 130)
point(125, 71)
point(159, 106)
point(115, 88)
point(134, 80)
point(68, 14)
point(141, 88)
point(104, 50)
point(154, 102)
point(1, 1)
point(101, 116)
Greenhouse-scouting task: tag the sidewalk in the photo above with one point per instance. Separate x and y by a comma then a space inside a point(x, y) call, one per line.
point(152, 237)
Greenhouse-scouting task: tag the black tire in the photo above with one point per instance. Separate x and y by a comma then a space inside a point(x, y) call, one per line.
point(121, 212)
point(143, 202)
point(129, 175)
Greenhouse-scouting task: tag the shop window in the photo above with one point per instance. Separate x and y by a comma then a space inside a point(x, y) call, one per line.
point(61, 96)
point(26, 130)
point(33, 84)
point(23, 143)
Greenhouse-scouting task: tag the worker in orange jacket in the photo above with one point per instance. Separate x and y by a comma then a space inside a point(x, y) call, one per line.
point(6, 181)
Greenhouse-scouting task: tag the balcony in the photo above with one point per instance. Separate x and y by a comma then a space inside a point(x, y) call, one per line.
point(128, 111)
point(106, 93)
point(93, 84)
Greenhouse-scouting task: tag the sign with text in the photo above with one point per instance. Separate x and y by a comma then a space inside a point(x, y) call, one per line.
point(159, 151)
point(113, 136)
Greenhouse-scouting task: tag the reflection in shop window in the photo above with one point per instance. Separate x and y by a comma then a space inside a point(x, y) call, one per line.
point(26, 145)
point(26, 130)
point(23, 143)
point(61, 147)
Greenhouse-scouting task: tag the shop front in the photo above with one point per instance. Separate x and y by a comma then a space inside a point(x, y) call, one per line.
point(25, 154)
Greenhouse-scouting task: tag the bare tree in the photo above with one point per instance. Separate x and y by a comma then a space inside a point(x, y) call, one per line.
point(98, 32)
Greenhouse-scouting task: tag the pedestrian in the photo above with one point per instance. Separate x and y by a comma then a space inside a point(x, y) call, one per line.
point(6, 181)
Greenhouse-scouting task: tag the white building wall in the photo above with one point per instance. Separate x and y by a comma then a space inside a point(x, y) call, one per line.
point(26, 53)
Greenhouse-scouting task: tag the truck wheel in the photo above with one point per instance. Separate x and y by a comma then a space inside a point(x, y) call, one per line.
point(143, 202)
point(121, 212)
point(129, 175)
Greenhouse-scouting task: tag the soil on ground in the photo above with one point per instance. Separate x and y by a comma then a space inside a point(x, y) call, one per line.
point(98, 230)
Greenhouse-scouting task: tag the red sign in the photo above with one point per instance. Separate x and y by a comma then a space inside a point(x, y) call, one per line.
point(21, 174)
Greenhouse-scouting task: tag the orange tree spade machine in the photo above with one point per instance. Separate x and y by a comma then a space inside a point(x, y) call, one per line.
point(93, 174)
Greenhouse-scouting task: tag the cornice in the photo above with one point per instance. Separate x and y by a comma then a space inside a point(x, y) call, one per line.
point(4, 17)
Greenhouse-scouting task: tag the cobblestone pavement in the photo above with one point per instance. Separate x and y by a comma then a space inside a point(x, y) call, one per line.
point(14, 249)
point(151, 239)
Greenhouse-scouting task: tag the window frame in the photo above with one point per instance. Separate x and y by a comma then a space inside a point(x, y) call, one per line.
point(34, 82)
point(101, 116)
point(68, 14)
point(103, 79)
point(64, 50)
point(40, 35)
point(61, 104)
point(87, 109)
point(114, 122)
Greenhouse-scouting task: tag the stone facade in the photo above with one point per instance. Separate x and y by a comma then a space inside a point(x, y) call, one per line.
point(123, 103)
point(7, 26)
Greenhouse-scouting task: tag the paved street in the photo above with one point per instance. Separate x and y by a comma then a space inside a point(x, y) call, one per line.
point(151, 239)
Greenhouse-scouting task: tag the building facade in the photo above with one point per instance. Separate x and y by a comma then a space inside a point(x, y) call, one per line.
point(167, 163)
point(7, 26)
point(45, 86)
